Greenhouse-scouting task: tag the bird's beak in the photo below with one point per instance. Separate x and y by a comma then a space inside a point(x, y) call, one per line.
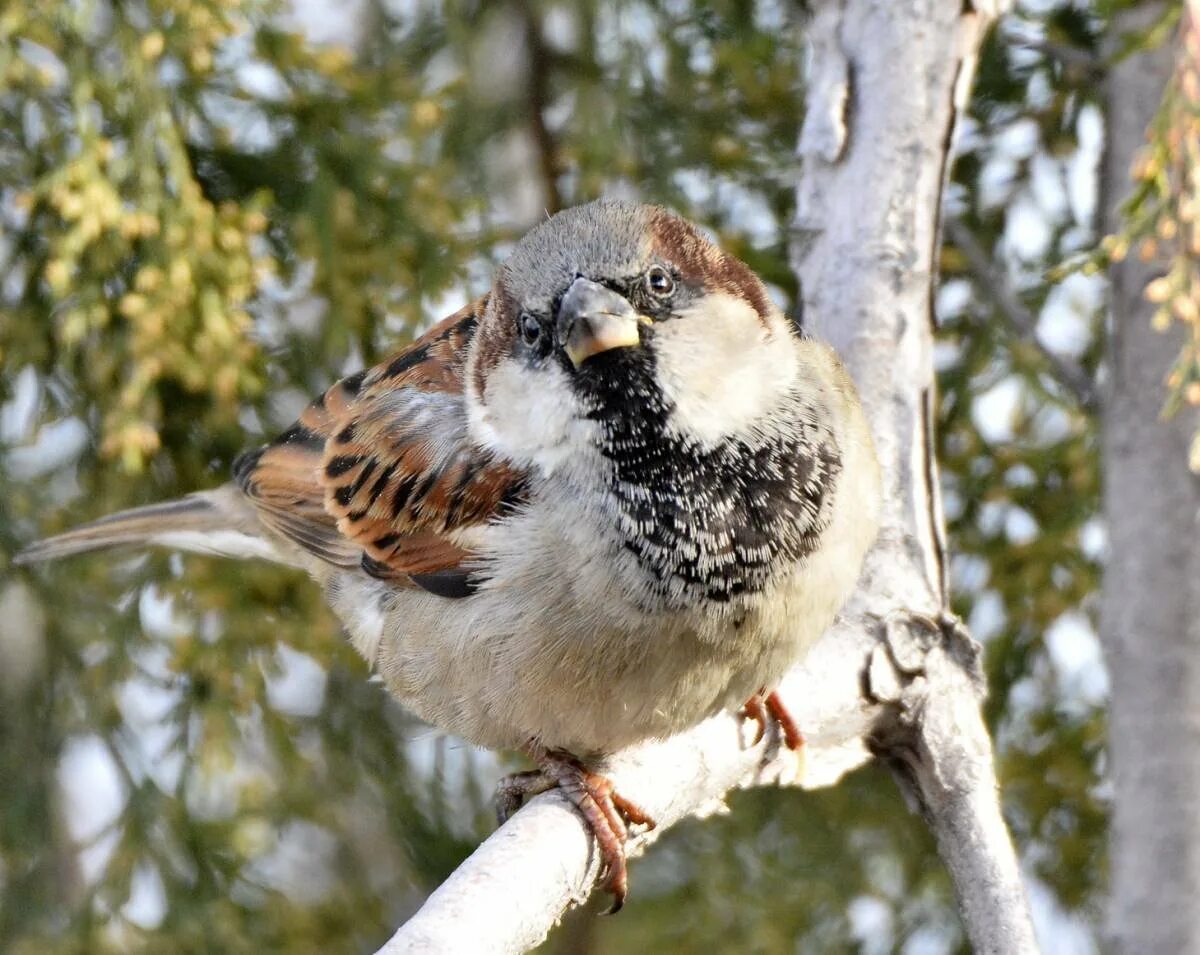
point(593, 319)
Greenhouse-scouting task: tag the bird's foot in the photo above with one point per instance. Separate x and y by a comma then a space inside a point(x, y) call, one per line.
point(607, 813)
point(762, 708)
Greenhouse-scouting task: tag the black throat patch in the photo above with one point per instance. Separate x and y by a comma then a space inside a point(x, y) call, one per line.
point(708, 524)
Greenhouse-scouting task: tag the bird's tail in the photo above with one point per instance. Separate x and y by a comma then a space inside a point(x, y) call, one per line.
point(211, 522)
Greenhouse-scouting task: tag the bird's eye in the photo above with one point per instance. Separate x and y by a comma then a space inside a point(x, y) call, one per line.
point(659, 282)
point(531, 329)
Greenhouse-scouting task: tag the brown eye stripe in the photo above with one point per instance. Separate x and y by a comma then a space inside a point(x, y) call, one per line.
point(497, 336)
point(702, 263)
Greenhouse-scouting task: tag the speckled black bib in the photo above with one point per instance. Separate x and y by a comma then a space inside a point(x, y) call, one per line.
point(708, 525)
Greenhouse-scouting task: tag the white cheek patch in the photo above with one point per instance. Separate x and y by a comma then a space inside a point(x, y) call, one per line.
point(532, 417)
point(722, 368)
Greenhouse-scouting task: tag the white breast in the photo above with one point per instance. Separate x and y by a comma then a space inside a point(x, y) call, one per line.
point(554, 647)
point(559, 644)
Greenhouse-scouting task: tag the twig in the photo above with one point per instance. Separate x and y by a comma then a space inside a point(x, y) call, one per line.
point(1022, 321)
point(537, 91)
point(1068, 55)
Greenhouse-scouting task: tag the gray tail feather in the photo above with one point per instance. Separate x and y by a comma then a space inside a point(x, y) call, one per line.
point(171, 523)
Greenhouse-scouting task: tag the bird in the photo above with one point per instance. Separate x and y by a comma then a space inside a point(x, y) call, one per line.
point(619, 493)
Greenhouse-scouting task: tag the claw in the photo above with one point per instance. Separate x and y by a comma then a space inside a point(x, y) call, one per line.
point(607, 813)
point(792, 736)
point(753, 709)
point(760, 708)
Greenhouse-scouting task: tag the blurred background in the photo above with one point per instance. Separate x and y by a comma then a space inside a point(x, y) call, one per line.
point(210, 209)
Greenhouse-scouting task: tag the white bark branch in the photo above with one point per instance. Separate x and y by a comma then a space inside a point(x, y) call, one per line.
point(512, 890)
point(941, 754)
point(890, 679)
point(866, 250)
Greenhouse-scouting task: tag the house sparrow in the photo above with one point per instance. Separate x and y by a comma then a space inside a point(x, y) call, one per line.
point(614, 496)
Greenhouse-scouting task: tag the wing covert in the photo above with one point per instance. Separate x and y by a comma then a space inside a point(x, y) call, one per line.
point(380, 470)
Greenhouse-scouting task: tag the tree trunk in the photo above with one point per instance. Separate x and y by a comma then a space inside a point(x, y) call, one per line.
point(1150, 613)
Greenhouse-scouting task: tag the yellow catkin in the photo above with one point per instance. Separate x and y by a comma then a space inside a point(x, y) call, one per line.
point(152, 45)
point(1158, 291)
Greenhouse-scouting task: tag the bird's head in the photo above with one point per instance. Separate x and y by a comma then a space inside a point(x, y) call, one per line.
point(614, 311)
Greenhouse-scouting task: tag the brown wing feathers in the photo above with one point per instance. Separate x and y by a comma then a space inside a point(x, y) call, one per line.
point(282, 479)
point(400, 473)
point(380, 469)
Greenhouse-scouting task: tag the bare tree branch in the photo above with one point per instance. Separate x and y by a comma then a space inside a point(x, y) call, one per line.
point(942, 758)
point(893, 677)
point(1069, 56)
point(510, 893)
point(867, 244)
point(1022, 321)
point(868, 684)
point(537, 93)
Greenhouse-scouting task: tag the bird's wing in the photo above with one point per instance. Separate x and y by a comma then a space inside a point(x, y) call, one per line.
point(380, 471)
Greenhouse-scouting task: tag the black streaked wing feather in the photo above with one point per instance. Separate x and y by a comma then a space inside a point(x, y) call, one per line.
point(379, 471)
